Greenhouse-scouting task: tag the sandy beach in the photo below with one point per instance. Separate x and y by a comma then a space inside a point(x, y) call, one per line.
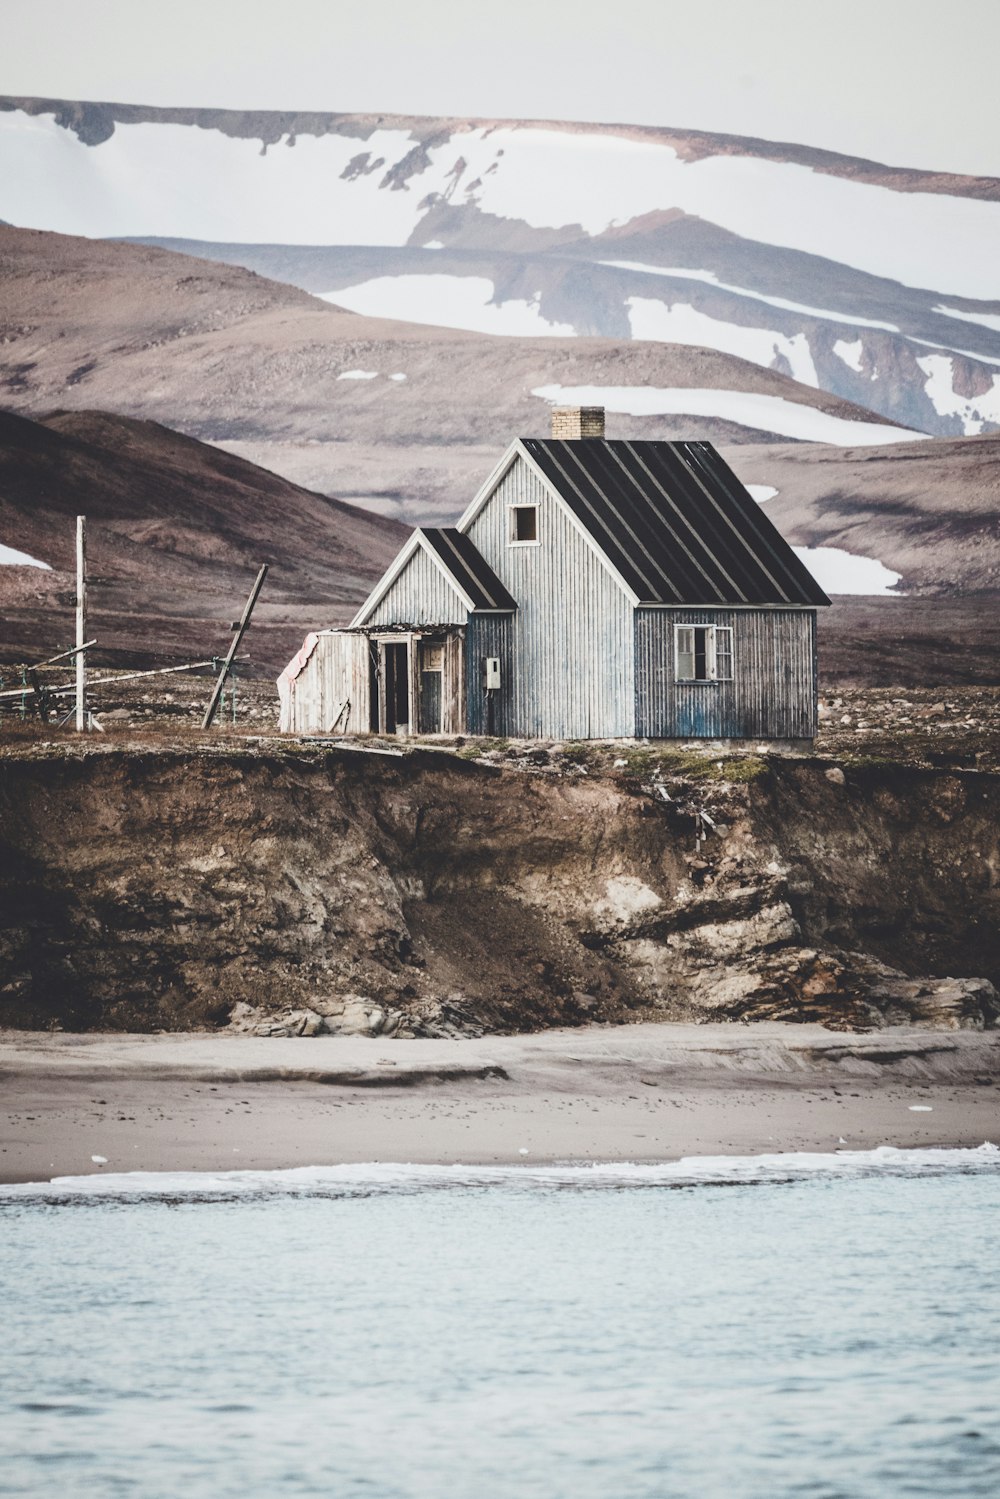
point(641, 1093)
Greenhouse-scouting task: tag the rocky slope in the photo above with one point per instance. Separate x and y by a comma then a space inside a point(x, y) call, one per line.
point(838, 271)
point(408, 420)
point(293, 889)
point(176, 532)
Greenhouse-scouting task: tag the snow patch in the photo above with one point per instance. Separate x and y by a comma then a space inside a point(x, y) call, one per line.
point(760, 492)
point(850, 353)
point(763, 413)
point(182, 181)
point(709, 278)
point(973, 411)
point(397, 377)
point(984, 319)
point(179, 180)
point(358, 375)
point(447, 302)
point(837, 571)
point(681, 323)
point(11, 557)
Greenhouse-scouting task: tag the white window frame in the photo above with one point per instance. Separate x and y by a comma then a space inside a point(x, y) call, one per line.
point(718, 650)
point(512, 538)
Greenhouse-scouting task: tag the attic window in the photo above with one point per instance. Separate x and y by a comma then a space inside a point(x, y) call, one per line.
point(524, 525)
point(703, 653)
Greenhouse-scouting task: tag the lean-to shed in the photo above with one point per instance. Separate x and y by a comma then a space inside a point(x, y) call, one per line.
point(592, 589)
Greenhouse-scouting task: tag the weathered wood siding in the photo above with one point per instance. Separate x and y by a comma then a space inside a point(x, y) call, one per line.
point(572, 636)
point(333, 685)
point(421, 595)
point(773, 691)
point(489, 635)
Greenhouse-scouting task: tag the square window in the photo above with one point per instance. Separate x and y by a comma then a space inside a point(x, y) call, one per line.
point(524, 523)
point(703, 653)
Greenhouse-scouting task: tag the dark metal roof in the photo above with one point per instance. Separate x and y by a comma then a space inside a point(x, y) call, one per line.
point(675, 521)
point(468, 567)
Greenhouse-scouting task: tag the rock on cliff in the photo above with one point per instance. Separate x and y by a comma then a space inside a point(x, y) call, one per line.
point(292, 889)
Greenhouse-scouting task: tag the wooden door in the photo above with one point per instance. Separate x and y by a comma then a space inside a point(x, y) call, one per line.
point(431, 676)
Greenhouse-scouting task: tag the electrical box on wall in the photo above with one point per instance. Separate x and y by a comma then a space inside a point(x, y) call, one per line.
point(491, 673)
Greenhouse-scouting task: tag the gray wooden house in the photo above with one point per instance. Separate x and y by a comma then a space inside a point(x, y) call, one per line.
point(592, 589)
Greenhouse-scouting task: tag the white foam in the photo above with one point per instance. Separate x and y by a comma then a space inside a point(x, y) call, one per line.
point(11, 557)
point(680, 323)
point(837, 571)
point(973, 411)
point(763, 413)
point(445, 301)
point(760, 492)
point(368, 1178)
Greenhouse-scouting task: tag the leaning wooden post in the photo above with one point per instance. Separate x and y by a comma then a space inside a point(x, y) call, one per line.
point(81, 623)
point(241, 628)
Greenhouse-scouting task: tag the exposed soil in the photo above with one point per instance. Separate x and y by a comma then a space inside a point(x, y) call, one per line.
point(287, 888)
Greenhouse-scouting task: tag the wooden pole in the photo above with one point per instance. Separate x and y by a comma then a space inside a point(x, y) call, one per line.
point(81, 623)
point(241, 628)
point(63, 654)
point(132, 676)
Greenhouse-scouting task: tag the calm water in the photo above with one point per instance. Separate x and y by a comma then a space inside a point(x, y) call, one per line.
point(786, 1327)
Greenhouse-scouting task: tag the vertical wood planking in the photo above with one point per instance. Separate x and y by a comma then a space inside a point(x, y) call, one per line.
point(336, 672)
point(421, 595)
point(773, 691)
point(489, 635)
point(572, 636)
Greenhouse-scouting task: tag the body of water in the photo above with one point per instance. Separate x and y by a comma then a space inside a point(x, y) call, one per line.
point(814, 1326)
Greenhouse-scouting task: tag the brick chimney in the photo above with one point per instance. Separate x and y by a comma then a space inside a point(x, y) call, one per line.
point(576, 422)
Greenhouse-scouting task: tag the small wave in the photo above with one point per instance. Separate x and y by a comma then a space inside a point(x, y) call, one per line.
point(369, 1179)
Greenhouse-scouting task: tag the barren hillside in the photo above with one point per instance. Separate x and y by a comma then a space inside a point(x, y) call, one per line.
point(176, 531)
point(403, 418)
point(839, 272)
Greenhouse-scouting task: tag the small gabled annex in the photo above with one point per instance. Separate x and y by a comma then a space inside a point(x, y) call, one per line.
point(592, 589)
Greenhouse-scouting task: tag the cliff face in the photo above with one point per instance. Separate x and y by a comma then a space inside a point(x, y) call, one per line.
point(290, 890)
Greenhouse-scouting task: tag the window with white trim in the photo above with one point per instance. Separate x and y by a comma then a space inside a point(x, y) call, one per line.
point(523, 525)
point(703, 653)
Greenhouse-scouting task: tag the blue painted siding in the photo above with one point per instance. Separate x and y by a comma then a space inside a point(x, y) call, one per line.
point(773, 691)
point(489, 635)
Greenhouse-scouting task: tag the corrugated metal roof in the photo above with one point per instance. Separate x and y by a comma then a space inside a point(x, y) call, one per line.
point(675, 522)
point(468, 567)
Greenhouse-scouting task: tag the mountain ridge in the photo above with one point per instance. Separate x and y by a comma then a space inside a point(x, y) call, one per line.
point(840, 272)
point(94, 121)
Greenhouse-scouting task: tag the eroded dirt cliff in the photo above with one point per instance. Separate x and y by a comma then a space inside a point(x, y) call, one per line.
point(290, 889)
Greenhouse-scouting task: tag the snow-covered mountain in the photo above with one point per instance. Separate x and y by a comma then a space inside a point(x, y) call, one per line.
point(880, 286)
